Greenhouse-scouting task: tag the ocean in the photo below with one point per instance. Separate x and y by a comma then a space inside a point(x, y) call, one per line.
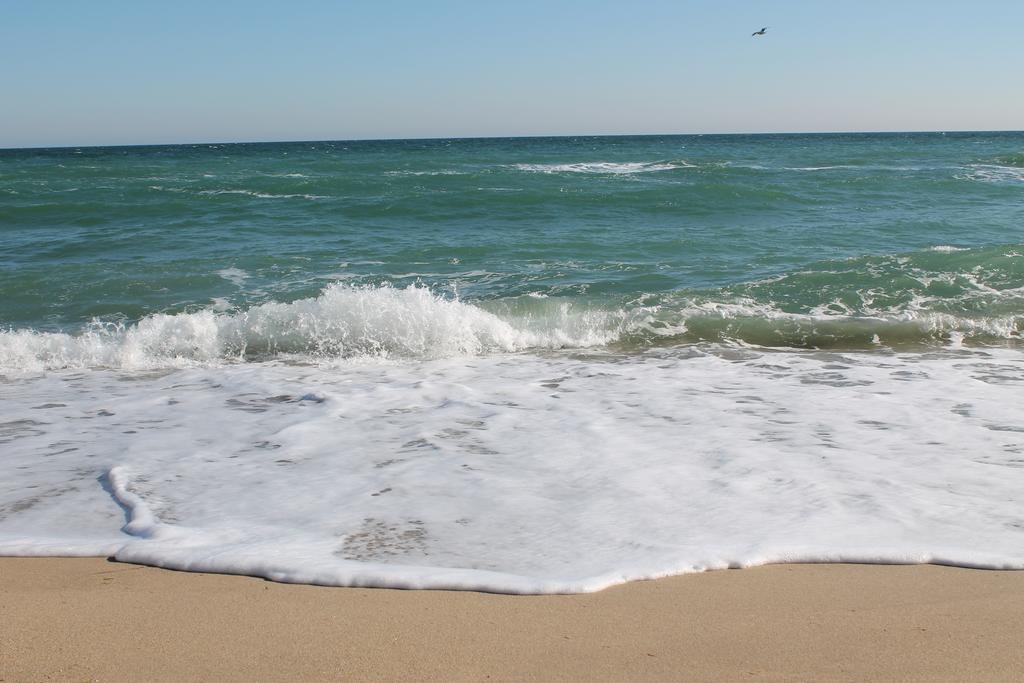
point(529, 365)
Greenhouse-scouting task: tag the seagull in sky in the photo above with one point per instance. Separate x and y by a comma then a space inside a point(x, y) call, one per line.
point(759, 33)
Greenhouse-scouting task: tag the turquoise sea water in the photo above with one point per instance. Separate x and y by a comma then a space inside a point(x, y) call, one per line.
point(858, 225)
point(519, 365)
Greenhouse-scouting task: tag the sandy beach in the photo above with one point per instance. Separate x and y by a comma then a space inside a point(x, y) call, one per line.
point(90, 619)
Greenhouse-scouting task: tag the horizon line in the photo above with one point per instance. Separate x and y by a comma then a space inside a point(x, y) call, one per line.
point(502, 137)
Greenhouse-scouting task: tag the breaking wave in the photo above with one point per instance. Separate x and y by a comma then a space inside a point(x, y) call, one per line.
point(938, 296)
point(342, 322)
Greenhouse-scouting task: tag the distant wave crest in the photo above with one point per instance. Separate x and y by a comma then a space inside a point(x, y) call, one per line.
point(607, 167)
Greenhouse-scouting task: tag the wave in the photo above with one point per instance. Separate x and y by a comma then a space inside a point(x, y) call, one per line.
point(248, 193)
point(880, 168)
point(764, 325)
point(263, 195)
point(935, 295)
point(845, 167)
point(1011, 160)
point(608, 167)
point(426, 173)
point(993, 173)
point(342, 322)
point(940, 295)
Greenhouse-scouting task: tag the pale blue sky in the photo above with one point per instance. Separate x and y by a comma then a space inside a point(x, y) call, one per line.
point(142, 71)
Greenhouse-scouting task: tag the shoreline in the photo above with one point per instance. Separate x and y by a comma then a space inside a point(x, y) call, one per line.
point(89, 618)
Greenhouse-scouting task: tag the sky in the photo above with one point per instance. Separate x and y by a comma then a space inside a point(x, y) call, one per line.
point(145, 71)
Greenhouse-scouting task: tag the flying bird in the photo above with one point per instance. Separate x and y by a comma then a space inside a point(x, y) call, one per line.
point(759, 33)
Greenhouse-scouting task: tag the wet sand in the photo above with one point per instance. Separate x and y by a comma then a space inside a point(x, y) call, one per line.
point(87, 619)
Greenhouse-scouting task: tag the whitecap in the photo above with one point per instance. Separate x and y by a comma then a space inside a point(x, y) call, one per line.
point(263, 195)
point(992, 173)
point(607, 167)
point(425, 173)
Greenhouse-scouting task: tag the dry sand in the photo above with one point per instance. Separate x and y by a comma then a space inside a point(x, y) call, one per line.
point(86, 619)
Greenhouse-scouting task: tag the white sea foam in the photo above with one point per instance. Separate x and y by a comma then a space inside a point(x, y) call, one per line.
point(235, 276)
point(522, 474)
